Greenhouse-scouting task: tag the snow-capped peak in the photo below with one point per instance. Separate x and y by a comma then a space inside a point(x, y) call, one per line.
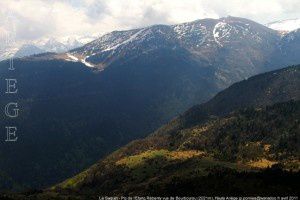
point(285, 25)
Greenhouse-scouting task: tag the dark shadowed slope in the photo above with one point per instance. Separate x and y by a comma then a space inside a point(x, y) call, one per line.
point(211, 152)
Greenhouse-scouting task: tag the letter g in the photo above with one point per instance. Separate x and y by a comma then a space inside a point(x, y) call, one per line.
point(11, 112)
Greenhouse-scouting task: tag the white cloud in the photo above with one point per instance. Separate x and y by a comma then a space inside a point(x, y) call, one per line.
point(36, 19)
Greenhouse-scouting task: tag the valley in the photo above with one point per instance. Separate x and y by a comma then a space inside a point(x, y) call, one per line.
point(252, 148)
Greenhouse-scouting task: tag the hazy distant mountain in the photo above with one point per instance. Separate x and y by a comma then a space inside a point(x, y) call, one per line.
point(289, 48)
point(52, 45)
point(44, 45)
point(79, 106)
point(285, 25)
point(7, 52)
point(72, 43)
point(28, 49)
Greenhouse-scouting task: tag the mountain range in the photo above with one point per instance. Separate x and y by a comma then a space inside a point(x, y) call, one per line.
point(234, 47)
point(68, 43)
point(79, 106)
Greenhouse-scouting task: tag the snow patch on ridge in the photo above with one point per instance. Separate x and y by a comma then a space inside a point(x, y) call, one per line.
point(86, 63)
point(130, 39)
point(72, 58)
point(220, 31)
